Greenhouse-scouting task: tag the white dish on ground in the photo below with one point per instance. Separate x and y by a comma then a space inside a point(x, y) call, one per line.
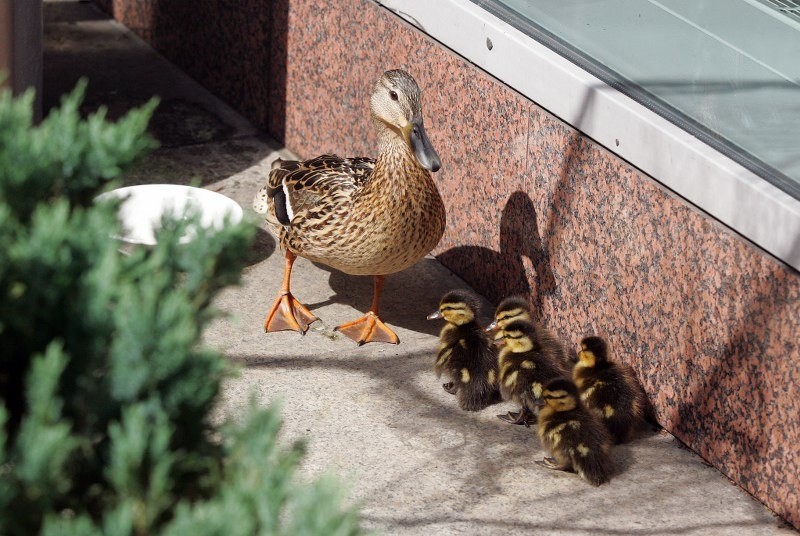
point(144, 205)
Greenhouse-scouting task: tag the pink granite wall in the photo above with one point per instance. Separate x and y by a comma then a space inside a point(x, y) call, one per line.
point(708, 320)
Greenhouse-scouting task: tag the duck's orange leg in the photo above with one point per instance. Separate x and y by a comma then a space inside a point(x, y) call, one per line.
point(370, 328)
point(287, 312)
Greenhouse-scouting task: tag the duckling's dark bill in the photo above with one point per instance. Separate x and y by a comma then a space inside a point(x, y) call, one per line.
point(423, 149)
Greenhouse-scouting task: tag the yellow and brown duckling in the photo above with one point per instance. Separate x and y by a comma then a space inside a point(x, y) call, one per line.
point(526, 362)
point(610, 390)
point(466, 354)
point(519, 308)
point(573, 435)
point(510, 309)
point(358, 215)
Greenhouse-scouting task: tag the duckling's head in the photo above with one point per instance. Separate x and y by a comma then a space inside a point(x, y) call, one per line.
point(508, 310)
point(457, 307)
point(396, 102)
point(560, 394)
point(518, 336)
point(594, 352)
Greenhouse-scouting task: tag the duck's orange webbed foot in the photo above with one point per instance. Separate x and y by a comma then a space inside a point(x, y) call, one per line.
point(288, 314)
point(368, 328)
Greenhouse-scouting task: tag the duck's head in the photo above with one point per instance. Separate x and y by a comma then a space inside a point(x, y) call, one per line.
point(559, 394)
point(594, 352)
point(396, 102)
point(518, 336)
point(458, 307)
point(508, 310)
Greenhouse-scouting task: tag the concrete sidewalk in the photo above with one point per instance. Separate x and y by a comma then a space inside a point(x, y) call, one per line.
point(376, 415)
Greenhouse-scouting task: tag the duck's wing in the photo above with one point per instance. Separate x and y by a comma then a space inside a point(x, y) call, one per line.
point(299, 187)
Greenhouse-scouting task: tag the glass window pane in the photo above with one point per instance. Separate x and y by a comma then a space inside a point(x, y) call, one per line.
point(726, 70)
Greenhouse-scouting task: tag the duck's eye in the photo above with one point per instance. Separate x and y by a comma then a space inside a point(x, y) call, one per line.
point(393, 94)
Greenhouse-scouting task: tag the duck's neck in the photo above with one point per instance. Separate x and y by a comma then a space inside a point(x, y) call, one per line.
point(395, 156)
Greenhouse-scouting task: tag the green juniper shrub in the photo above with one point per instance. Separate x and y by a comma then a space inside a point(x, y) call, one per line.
point(105, 389)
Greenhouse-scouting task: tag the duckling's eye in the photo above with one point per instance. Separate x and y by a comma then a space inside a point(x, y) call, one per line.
point(393, 94)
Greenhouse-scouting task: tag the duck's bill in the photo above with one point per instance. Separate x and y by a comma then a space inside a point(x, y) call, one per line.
point(491, 327)
point(434, 315)
point(423, 149)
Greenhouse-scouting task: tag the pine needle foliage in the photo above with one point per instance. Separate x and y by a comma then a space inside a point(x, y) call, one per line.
point(105, 389)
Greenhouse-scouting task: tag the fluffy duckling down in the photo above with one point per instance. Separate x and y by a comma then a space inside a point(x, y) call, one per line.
point(509, 309)
point(519, 308)
point(528, 359)
point(608, 389)
point(466, 355)
point(573, 435)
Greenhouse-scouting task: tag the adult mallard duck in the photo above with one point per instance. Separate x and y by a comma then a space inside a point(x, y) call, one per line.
point(358, 215)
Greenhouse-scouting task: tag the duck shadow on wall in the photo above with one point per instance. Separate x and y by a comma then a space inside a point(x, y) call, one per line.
point(407, 298)
point(497, 274)
point(410, 295)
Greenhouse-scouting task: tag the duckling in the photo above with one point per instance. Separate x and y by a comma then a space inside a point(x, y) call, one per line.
point(466, 355)
point(527, 361)
point(608, 389)
point(510, 309)
point(572, 434)
point(519, 308)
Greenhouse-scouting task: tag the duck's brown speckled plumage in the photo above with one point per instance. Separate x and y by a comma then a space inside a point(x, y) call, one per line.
point(358, 215)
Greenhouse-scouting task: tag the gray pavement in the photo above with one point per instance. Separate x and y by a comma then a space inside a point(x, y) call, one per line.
point(376, 416)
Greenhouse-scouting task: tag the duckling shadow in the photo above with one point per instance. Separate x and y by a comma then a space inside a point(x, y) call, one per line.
point(497, 274)
point(427, 417)
point(622, 458)
point(484, 452)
